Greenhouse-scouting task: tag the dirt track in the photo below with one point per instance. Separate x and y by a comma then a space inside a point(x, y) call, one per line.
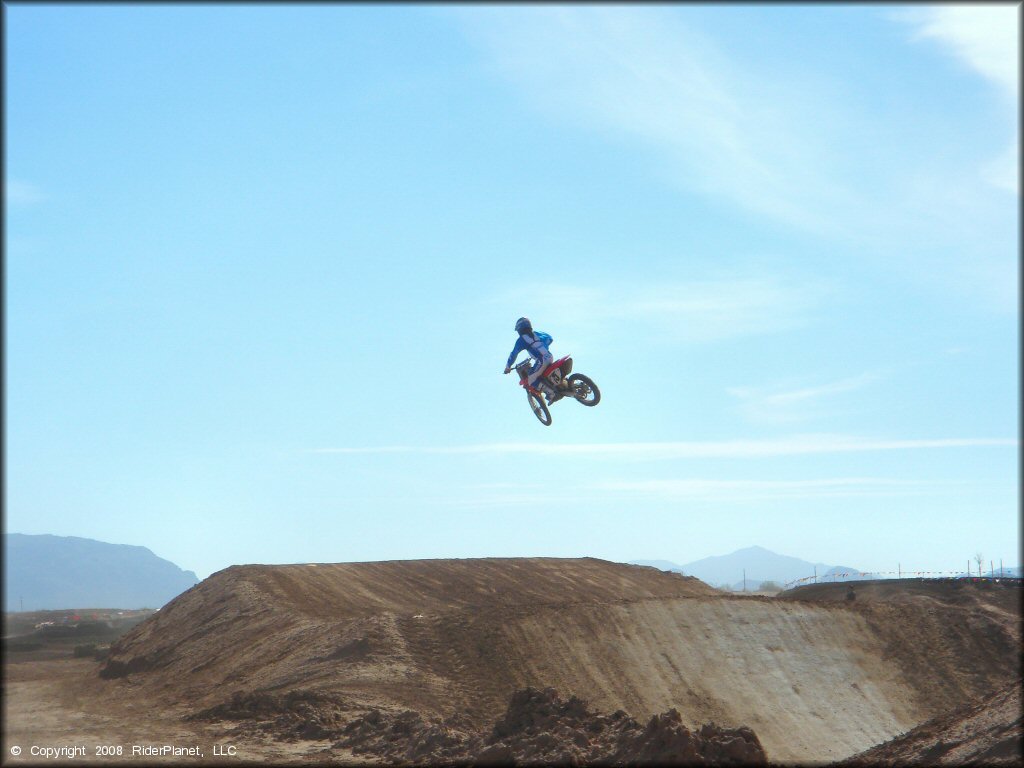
point(817, 678)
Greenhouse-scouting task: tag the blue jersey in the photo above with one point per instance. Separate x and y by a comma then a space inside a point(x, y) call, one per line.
point(535, 346)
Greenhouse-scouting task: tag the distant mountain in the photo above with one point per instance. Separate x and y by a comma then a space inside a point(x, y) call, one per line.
point(661, 565)
point(56, 572)
point(1004, 573)
point(760, 565)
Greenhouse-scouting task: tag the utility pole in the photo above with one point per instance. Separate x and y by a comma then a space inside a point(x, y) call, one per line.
point(815, 574)
point(744, 579)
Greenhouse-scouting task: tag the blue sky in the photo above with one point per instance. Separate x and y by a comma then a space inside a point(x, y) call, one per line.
point(263, 264)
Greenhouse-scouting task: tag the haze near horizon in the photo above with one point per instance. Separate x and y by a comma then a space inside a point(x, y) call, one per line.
point(263, 264)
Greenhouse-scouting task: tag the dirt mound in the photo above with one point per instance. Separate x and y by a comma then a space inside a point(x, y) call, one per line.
point(357, 604)
point(405, 737)
point(964, 593)
point(295, 715)
point(990, 732)
point(540, 728)
point(817, 680)
point(425, 586)
point(537, 728)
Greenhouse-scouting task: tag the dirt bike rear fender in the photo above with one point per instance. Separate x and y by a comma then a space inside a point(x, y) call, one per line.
point(558, 363)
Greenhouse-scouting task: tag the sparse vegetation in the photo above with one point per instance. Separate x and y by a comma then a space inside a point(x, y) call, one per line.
point(72, 633)
point(84, 651)
point(21, 646)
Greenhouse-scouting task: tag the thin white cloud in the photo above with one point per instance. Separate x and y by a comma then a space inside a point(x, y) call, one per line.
point(21, 193)
point(776, 405)
point(706, 309)
point(1004, 171)
point(744, 490)
point(770, 141)
point(643, 74)
point(726, 449)
point(528, 495)
point(986, 39)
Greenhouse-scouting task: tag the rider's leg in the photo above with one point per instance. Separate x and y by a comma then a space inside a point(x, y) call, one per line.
point(538, 367)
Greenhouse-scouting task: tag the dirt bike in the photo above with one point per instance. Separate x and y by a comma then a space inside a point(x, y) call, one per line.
point(556, 382)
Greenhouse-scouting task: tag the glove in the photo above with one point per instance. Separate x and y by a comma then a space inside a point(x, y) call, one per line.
point(507, 369)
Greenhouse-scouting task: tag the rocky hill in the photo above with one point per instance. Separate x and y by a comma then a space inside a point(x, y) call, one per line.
point(56, 572)
point(760, 564)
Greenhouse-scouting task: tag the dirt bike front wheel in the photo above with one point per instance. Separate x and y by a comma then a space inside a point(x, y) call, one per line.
point(539, 408)
point(584, 390)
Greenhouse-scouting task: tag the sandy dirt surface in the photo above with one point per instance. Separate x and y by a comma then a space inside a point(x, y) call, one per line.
point(56, 704)
point(988, 732)
point(815, 676)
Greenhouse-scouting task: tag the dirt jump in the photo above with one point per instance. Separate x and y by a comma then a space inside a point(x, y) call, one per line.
point(560, 660)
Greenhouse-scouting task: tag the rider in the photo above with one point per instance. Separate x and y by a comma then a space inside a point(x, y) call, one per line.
point(536, 343)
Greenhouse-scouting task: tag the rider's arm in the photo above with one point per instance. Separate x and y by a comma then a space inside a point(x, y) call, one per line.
point(515, 352)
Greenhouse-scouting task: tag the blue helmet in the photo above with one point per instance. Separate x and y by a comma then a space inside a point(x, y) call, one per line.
point(523, 324)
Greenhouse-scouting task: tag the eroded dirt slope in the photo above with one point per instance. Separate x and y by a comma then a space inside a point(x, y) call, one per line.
point(816, 680)
point(987, 732)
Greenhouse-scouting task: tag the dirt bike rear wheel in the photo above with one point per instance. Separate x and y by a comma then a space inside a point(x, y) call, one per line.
point(584, 390)
point(539, 408)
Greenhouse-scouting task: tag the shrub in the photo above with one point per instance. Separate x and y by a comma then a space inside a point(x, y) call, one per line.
point(22, 645)
point(84, 651)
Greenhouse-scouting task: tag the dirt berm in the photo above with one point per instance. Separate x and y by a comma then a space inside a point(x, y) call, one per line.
point(815, 676)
